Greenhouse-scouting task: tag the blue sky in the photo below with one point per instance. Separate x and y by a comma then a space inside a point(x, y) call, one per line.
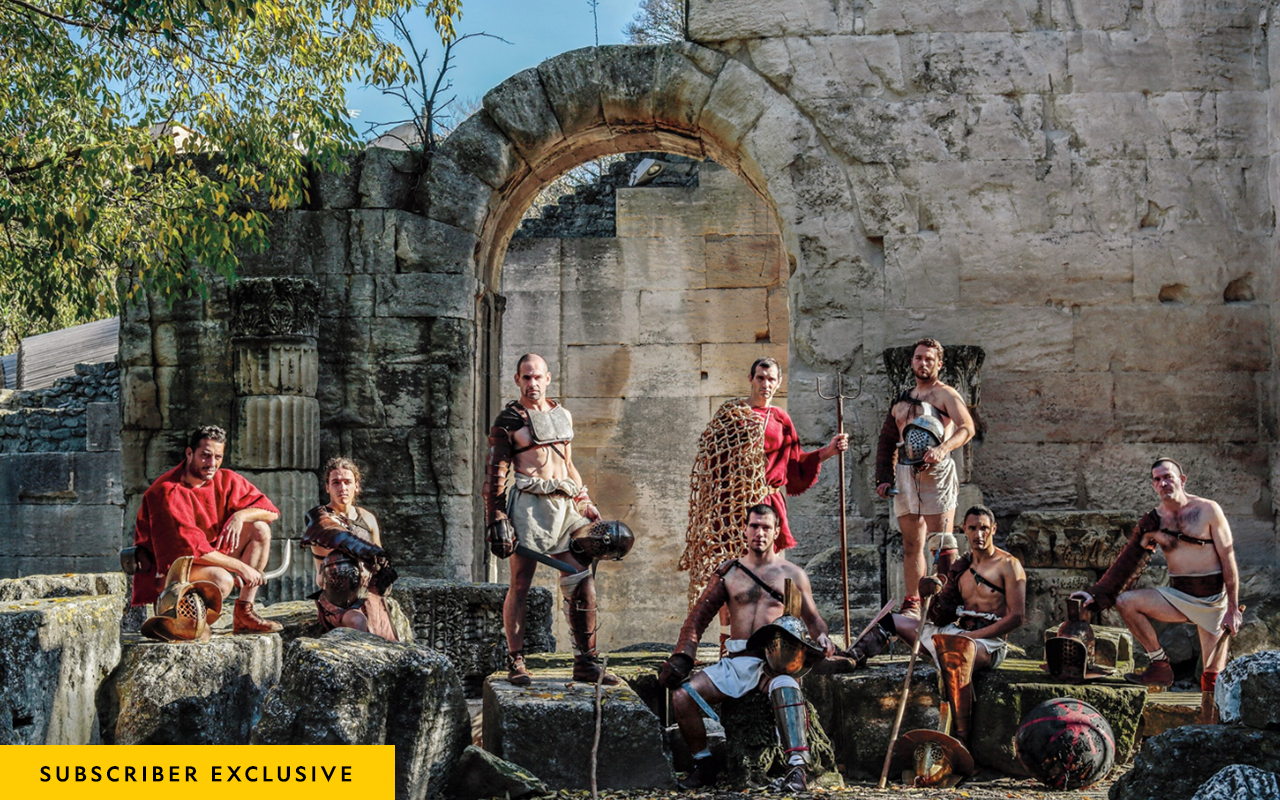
point(537, 30)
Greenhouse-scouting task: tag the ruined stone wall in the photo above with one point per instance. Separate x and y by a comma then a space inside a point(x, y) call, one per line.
point(1079, 189)
point(61, 498)
point(647, 334)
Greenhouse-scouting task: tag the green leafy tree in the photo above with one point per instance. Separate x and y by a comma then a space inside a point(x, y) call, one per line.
point(142, 139)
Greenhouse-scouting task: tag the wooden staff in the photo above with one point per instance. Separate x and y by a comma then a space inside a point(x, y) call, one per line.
point(906, 690)
point(595, 743)
point(840, 397)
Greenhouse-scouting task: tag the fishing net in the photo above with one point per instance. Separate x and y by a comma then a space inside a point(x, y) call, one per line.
point(728, 477)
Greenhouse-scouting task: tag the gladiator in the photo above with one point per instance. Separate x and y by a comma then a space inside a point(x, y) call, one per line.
point(977, 603)
point(768, 649)
point(536, 518)
point(352, 570)
point(1203, 579)
point(203, 525)
point(913, 460)
point(787, 469)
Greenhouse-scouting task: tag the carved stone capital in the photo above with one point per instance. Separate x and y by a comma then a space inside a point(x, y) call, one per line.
point(275, 308)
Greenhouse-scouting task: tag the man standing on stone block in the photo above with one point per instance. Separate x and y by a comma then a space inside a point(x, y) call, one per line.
point(751, 589)
point(534, 520)
point(1203, 579)
point(922, 427)
point(215, 516)
point(980, 601)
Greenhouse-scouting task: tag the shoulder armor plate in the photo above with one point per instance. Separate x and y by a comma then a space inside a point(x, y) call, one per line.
point(550, 426)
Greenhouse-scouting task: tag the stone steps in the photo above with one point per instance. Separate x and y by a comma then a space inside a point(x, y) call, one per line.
point(1168, 710)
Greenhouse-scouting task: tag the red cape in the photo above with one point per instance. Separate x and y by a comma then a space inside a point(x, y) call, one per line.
point(176, 520)
point(787, 467)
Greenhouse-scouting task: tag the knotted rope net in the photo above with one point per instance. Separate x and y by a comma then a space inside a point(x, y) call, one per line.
point(728, 477)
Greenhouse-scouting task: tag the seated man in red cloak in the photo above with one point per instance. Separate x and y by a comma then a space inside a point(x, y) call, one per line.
point(215, 517)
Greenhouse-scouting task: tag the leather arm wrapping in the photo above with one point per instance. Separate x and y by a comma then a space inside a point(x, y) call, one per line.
point(943, 609)
point(328, 532)
point(700, 616)
point(1127, 567)
point(495, 484)
point(887, 450)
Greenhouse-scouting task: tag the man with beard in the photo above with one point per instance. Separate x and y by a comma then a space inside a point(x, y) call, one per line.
point(751, 588)
point(935, 420)
point(983, 599)
point(547, 502)
point(1203, 579)
point(212, 515)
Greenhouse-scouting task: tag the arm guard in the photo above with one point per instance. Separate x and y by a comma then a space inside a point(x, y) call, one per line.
point(325, 530)
point(943, 609)
point(1127, 566)
point(887, 450)
point(706, 609)
point(495, 484)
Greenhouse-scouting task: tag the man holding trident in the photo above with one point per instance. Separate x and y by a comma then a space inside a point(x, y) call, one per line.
point(749, 454)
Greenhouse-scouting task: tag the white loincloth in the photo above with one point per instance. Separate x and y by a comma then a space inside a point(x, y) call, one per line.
point(738, 675)
point(543, 513)
point(1206, 612)
point(929, 491)
point(998, 649)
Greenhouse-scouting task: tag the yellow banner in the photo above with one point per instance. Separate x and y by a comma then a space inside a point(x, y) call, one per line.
point(284, 772)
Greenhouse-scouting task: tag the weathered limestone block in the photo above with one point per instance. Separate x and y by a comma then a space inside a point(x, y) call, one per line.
point(464, 621)
point(349, 687)
point(480, 775)
point(387, 177)
point(193, 693)
point(138, 398)
point(300, 621)
point(481, 149)
point(520, 108)
point(426, 295)
point(632, 755)
point(736, 101)
point(1165, 711)
point(1175, 764)
point(717, 21)
point(903, 16)
point(102, 421)
point(1047, 591)
point(1069, 539)
point(864, 584)
point(277, 368)
point(686, 74)
point(1239, 782)
point(294, 492)
point(857, 709)
point(38, 587)
point(425, 245)
point(278, 432)
point(1248, 691)
point(1002, 698)
point(54, 654)
point(702, 315)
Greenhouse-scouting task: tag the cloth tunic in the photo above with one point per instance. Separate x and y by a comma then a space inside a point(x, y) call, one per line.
point(788, 468)
point(177, 520)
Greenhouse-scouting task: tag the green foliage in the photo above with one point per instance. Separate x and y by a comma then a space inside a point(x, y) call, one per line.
point(98, 179)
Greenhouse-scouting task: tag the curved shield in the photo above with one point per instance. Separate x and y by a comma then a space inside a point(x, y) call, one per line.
point(1066, 744)
point(345, 580)
point(605, 540)
point(788, 650)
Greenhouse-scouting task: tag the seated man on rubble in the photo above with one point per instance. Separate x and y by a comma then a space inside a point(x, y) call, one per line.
point(204, 526)
point(1203, 578)
point(767, 649)
point(980, 601)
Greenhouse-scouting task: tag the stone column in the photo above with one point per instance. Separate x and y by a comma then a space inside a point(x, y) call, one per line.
point(277, 416)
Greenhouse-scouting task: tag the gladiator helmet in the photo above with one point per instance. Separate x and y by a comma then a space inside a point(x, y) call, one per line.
point(605, 540)
point(934, 758)
point(185, 609)
point(1070, 654)
point(921, 434)
point(788, 650)
point(1066, 744)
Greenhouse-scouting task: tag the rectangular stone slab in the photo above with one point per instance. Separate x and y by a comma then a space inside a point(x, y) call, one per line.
point(548, 728)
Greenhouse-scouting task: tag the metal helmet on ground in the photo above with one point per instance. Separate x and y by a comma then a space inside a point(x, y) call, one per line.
point(605, 540)
point(1069, 656)
point(185, 609)
point(921, 434)
point(932, 758)
point(788, 650)
point(1066, 744)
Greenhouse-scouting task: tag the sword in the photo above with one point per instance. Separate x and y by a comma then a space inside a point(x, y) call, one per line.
point(284, 564)
point(543, 558)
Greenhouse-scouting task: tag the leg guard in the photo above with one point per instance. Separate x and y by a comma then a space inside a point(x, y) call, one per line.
point(579, 590)
point(956, 655)
point(791, 716)
point(874, 641)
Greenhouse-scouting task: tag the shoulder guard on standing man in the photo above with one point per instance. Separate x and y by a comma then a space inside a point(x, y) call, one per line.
point(499, 533)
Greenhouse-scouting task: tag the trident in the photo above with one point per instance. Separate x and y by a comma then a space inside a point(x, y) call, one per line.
point(840, 397)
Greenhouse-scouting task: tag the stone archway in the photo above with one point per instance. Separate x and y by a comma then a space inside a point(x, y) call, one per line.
point(678, 98)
